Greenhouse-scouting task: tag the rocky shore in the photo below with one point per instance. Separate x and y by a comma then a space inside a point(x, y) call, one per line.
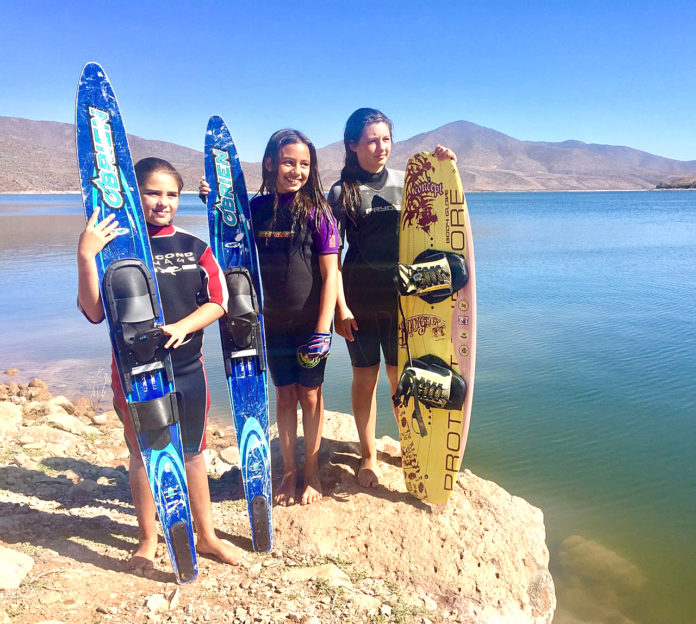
point(67, 528)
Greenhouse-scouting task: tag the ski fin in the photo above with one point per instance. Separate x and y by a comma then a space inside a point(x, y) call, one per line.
point(259, 524)
point(185, 563)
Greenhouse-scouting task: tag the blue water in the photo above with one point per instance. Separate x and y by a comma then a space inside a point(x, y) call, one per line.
point(584, 401)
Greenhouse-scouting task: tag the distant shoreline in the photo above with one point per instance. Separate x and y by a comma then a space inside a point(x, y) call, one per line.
point(195, 194)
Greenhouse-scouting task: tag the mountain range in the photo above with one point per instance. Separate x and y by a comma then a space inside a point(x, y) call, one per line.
point(39, 156)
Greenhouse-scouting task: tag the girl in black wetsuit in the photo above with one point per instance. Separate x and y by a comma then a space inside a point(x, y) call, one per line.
point(367, 203)
point(297, 241)
point(191, 300)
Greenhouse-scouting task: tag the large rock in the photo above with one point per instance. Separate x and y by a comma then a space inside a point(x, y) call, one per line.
point(47, 434)
point(14, 566)
point(71, 424)
point(10, 417)
point(61, 401)
point(482, 555)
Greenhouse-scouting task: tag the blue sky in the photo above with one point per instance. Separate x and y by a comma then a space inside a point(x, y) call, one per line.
point(601, 72)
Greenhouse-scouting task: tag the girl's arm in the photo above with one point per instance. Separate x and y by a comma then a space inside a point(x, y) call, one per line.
point(206, 314)
point(345, 321)
point(92, 240)
point(329, 280)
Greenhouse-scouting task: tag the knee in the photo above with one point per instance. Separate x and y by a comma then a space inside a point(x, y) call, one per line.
point(365, 379)
point(287, 397)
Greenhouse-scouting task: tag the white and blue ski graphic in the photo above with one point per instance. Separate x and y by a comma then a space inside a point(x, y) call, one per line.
point(241, 331)
point(133, 309)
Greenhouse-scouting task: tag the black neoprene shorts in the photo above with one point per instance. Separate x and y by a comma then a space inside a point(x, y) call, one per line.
point(283, 336)
point(377, 330)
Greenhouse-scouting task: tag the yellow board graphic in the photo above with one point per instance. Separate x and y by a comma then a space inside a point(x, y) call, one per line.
point(435, 216)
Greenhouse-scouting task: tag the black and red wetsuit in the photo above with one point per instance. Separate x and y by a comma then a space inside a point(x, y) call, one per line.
point(188, 276)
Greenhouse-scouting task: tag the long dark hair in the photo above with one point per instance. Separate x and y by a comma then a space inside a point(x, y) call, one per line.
point(147, 166)
point(311, 196)
point(350, 184)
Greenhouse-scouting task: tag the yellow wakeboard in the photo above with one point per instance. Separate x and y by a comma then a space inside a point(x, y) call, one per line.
point(435, 218)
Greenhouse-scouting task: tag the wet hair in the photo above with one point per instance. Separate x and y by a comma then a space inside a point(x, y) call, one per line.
point(145, 167)
point(311, 195)
point(350, 183)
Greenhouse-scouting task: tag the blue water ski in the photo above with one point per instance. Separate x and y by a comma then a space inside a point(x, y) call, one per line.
point(241, 331)
point(133, 310)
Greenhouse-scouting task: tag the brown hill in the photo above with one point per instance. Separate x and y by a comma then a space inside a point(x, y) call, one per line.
point(679, 183)
point(38, 156)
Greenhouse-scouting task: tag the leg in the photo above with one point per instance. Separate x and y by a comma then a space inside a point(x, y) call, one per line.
point(199, 495)
point(144, 556)
point(312, 404)
point(364, 400)
point(286, 417)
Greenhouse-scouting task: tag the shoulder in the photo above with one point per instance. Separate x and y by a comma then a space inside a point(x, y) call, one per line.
point(395, 177)
point(178, 239)
point(334, 196)
point(259, 200)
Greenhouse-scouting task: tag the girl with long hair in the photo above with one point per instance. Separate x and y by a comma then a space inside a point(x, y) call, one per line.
point(297, 240)
point(367, 203)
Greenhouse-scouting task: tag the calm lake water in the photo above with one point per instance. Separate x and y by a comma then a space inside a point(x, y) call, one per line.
point(584, 401)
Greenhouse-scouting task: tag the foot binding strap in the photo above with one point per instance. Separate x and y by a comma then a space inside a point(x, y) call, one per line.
point(243, 328)
point(131, 299)
point(434, 275)
point(429, 380)
point(152, 419)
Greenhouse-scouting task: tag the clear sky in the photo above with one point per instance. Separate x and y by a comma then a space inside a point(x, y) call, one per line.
point(610, 72)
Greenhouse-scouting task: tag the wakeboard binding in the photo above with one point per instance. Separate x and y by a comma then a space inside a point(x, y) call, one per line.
point(430, 381)
point(242, 326)
point(434, 275)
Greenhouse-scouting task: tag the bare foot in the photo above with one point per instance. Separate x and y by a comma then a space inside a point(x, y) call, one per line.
point(285, 494)
point(219, 548)
point(144, 556)
point(367, 473)
point(312, 489)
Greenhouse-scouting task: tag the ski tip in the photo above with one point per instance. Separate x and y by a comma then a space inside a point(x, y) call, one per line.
point(215, 121)
point(93, 68)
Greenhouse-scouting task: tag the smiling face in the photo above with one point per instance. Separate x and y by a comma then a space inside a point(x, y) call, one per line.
point(374, 147)
point(293, 167)
point(160, 197)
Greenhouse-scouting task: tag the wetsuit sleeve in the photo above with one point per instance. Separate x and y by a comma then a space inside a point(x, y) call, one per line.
point(214, 285)
point(334, 199)
point(79, 307)
point(325, 235)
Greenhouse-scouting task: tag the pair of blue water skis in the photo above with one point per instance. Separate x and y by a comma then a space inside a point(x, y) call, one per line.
point(134, 316)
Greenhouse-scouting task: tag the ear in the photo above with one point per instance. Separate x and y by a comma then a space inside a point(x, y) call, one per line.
point(267, 164)
point(352, 145)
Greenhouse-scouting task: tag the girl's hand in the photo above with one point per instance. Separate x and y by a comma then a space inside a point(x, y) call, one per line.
point(177, 334)
point(96, 236)
point(443, 153)
point(345, 324)
point(203, 189)
point(314, 350)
